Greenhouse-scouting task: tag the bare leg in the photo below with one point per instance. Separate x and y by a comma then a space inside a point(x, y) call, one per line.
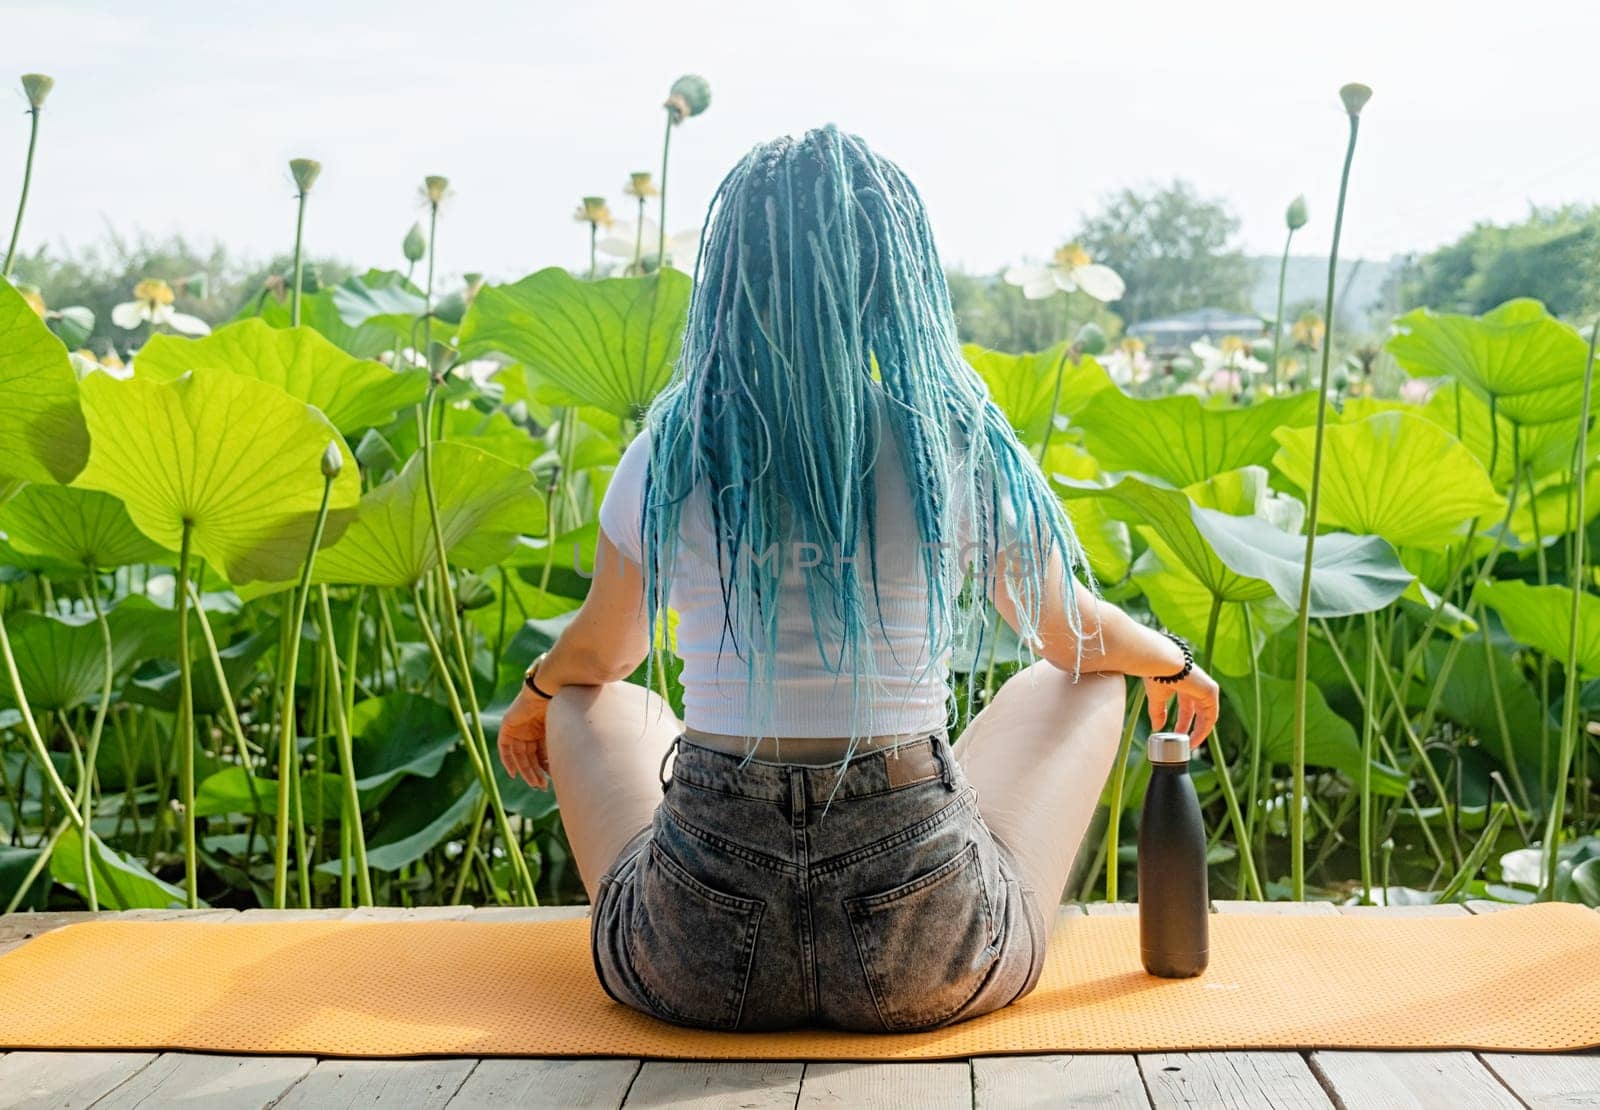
point(1039, 754)
point(606, 744)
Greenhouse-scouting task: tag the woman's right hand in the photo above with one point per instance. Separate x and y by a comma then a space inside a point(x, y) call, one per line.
point(1199, 700)
point(522, 739)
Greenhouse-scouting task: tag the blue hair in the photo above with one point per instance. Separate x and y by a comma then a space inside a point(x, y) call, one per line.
point(821, 319)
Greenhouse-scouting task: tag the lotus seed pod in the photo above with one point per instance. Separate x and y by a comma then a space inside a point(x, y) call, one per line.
point(593, 210)
point(473, 593)
point(332, 461)
point(473, 279)
point(1355, 98)
point(36, 86)
point(434, 188)
point(640, 185)
point(305, 171)
point(1296, 216)
point(415, 244)
point(1091, 340)
point(690, 95)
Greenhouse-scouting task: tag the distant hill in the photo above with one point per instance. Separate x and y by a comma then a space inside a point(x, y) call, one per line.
point(1359, 295)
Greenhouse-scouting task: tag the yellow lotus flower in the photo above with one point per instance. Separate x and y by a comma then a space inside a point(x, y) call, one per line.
point(593, 210)
point(640, 185)
point(152, 304)
point(33, 298)
point(1308, 331)
point(1070, 270)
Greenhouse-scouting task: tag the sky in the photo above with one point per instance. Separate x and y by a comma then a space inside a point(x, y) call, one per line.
point(1014, 117)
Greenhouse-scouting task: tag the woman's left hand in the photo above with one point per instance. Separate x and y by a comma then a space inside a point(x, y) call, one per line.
point(1198, 704)
point(522, 739)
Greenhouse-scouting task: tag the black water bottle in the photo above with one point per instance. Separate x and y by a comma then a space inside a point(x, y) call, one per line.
point(1174, 904)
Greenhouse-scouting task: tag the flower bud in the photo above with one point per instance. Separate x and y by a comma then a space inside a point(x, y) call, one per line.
point(1261, 350)
point(332, 461)
point(472, 592)
point(415, 244)
point(73, 324)
point(36, 87)
point(376, 453)
point(195, 286)
point(434, 188)
point(1091, 340)
point(304, 171)
point(1296, 216)
point(690, 95)
point(1355, 98)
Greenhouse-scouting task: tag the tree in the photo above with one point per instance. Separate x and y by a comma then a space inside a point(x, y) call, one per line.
point(1550, 256)
point(1175, 249)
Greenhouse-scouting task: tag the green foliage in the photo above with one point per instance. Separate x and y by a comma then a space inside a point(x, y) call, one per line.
point(1175, 250)
point(1550, 257)
point(42, 436)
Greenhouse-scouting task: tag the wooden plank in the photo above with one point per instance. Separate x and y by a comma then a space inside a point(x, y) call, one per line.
point(1545, 1080)
point(214, 1082)
point(1410, 1079)
point(715, 1085)
point(394, 1084)
point(208, 914)
point(1107, 909)
point(63, 1080)
point(26, 926)
point(1230, 1079)
point(1276, 909)
point(1450, 910)
point(409, 913)
point(1036, 1082)
point(262, 916)
point(529, 913)
point(546, 1084)
point(931, 1086)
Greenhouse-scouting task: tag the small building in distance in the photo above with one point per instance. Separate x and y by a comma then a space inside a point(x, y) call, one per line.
point(1172, 335)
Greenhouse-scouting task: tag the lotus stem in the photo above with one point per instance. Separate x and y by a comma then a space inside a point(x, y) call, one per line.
point(347, 757)
point(1368, 743)
point(1297, 817)
point(299, 262)
point(1277, 326)
point(288, 760)
point(661, 240)
point(1119, 776)
point(96, 730)
point(40, 750)
point(427, 294)
point(27, 180)
point(452, 613)
point(184, 732)
point(1055, 394)
point(1224, 775)
point(638, 240)
point(594, 234)
point(1569, 705)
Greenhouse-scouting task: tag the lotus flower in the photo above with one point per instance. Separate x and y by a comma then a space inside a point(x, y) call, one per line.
point(152, 304)
point(1222, 367)
point(624, 237)
point(1071, 269)
point(1128, 364)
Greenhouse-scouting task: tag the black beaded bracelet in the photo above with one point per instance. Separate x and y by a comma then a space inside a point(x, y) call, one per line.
point(1188, 659)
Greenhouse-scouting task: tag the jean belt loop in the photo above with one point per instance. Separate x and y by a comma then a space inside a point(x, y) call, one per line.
point(946, 757)
point(662, 772)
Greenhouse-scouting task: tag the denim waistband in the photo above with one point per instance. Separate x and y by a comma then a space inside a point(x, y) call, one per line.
point(875, 772)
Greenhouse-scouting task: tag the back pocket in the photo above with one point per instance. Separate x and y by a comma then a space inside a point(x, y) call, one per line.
point(691, 947)
point(927, 945)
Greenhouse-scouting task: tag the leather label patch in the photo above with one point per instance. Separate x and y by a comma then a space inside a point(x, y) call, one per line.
point(911, 767)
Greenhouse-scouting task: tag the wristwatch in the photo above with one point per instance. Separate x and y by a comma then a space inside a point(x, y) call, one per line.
point(528, 678)
point(1188, 659)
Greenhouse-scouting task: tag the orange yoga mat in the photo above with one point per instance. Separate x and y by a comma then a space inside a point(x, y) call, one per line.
point(1524, 980)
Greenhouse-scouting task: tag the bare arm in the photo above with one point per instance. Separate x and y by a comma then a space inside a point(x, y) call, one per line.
point(607, 639)
point(1115, 643)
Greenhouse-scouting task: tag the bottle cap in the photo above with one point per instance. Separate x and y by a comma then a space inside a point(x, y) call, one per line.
point(1167, 747)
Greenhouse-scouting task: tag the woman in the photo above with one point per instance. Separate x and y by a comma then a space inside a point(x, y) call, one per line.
point(829, 501)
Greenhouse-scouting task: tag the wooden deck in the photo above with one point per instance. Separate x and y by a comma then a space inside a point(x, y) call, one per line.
point(146, 1080)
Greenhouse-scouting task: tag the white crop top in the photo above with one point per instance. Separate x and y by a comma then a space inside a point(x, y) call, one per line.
point(908, 696)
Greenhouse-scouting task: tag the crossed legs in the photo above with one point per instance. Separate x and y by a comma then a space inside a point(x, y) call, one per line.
point(1038, 754)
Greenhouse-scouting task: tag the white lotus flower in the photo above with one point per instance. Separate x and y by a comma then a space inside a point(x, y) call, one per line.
point(152, 304)
point(1128, 364)
point(1225, 366)
point(624, 237)
point(1072, 269)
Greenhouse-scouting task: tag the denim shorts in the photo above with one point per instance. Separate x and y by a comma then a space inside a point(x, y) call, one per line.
point(772, 895)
